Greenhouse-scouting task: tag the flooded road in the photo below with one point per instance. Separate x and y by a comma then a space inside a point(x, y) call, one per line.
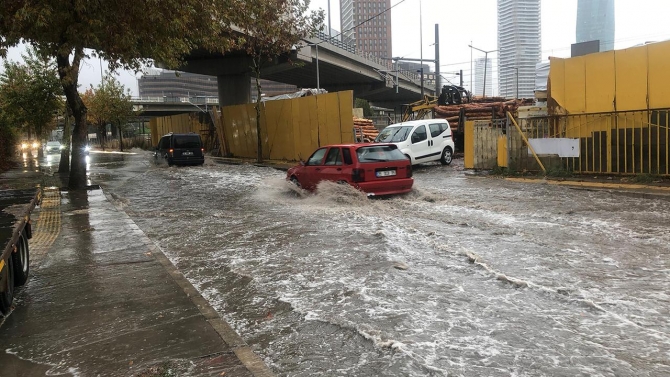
point(464, 276)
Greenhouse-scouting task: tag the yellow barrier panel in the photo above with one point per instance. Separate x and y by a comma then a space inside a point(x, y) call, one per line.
point(502, 151)
point(290, 129)
point(469, 145)
point(659, 75)
point(575, 76)
point(557, 81)
point(631, 79)
point(599, 84)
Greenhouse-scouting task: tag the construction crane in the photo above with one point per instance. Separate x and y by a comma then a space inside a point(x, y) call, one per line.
point(419, 109)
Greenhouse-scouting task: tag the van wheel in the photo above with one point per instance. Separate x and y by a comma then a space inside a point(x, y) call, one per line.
point(447, 156)
point(295, 181)
point(7, 277)
point(168, 160)
point(21, 261)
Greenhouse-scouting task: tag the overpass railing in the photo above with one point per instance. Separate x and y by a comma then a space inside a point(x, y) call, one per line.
point(351, 48)
point(198, 100)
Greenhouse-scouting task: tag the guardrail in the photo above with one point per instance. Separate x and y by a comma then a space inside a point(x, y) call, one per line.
point(176, 100)
point(409, 75)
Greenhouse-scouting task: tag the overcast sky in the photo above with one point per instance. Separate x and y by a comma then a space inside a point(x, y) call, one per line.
point(465, 21)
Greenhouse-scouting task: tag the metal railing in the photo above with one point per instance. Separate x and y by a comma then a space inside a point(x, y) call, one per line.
point(386, 63)
point(626, 142)
point(198, 100)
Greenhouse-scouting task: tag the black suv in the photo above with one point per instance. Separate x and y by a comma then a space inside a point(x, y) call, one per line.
point(181, 149)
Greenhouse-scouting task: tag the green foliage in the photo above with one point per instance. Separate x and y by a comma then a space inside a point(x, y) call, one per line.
point(363, 104)
point(31, 93)
point(127, 33)
point(109, 103)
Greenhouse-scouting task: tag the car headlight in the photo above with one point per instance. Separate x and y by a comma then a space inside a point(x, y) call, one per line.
point(87, 148)
point(62, 147)
point(36, 145)
point(24, 145)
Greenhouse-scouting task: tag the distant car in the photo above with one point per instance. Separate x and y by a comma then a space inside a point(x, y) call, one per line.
point(28, 145)
point(53, 147)
point(376, 169)
point(421, 140)
point(180, 149)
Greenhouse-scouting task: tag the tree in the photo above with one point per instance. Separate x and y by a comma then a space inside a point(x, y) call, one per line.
point(363, 104)
point(109, 103)
point(31, 93)
point(272, 28)
point(127, 33)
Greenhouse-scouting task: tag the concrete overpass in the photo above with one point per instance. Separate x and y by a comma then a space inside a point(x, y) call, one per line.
point(151, 107)
point(339, 68)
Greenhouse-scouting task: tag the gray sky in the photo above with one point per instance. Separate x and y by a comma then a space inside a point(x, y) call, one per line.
point(465, 21)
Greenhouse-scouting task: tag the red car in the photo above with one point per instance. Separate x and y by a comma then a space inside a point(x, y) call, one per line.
point(376, 169)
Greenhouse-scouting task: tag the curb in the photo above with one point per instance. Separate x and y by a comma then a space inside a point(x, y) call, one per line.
point(283, 166)
point(632, 190)
point(244, 353)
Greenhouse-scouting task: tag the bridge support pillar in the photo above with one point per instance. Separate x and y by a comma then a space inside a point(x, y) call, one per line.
point(234, 89)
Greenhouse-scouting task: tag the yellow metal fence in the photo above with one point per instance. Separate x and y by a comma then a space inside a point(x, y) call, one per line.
point(630, 142)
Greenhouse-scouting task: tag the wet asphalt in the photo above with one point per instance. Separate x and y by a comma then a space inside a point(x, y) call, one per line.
point(102, 300)
point(465, 276)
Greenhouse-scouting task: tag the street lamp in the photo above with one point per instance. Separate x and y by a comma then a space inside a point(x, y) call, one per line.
point(517, 77)
point(486, 60)
point(318, 81)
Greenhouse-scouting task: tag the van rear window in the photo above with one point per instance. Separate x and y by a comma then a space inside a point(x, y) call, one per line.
point(187, 141)
point(379, 153)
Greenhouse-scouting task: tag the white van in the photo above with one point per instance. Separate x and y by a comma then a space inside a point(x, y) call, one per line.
point(421, 140)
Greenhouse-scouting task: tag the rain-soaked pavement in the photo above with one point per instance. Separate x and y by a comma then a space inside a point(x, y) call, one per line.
point(465, 276)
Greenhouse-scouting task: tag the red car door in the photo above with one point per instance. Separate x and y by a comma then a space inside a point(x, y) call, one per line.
point(332, 167)
point(311, 174)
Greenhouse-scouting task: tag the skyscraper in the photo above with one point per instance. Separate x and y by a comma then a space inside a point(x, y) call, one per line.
point(595, 21)
point(519, 46)
point(479, 77)
point(373, 36)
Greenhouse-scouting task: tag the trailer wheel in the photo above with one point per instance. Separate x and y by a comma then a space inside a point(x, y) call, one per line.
point(7, 278)
point(21, 260)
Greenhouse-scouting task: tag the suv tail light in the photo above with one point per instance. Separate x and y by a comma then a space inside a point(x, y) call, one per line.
point(358, 175)
point(409, 171)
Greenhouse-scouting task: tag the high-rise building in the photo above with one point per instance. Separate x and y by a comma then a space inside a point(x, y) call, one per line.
point(595, 21)
point(479, 77)
point(371, 34)
point(519, 46)
point(170, 84)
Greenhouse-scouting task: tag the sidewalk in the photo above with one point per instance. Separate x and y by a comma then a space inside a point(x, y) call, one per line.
point(103, 300)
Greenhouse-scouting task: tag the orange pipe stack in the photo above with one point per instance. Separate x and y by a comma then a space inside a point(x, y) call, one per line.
point(367, 128)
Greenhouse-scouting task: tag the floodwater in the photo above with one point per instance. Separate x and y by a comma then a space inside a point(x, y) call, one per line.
point(465, 276)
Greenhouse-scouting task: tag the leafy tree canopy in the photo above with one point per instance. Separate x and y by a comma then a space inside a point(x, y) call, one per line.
point(109, 103)
point(31, 93)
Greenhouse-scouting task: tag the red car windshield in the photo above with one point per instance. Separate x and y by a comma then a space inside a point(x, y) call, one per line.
point(379, 153)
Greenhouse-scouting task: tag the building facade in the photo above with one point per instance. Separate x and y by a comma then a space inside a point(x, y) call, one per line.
point(373, 36)
point(595, 21)
point(173, 85)
point(519, 46)
point(482, 65)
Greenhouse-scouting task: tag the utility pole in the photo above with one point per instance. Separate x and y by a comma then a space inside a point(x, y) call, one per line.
point(330, 35)
point(461, 75)
point(421, 44)
point(437, 60)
